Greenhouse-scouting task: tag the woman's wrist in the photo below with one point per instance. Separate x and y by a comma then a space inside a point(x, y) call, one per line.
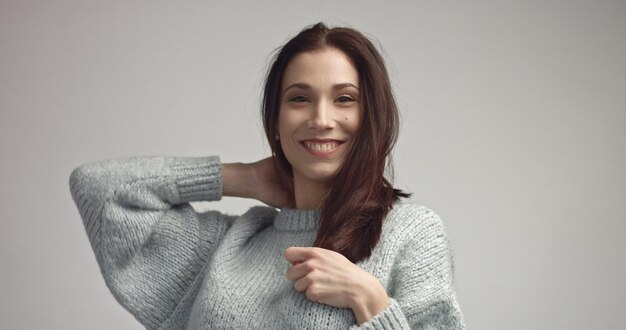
point(370, 302)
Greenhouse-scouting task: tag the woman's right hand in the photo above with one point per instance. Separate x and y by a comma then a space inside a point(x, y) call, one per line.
point(257, 180)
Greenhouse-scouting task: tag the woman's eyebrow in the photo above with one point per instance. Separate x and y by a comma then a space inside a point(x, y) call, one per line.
point(306, 86)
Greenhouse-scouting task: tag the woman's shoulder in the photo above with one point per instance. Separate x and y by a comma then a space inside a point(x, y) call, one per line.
point(411, 221)
point(412, 214)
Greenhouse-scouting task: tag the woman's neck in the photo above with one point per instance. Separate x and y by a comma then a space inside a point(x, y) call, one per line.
point(309, 194)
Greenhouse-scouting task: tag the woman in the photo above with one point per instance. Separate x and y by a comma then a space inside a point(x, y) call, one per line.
point(340, 252)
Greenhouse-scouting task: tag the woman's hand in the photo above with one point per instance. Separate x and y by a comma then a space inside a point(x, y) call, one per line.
point(328, 277)
point(257, 180)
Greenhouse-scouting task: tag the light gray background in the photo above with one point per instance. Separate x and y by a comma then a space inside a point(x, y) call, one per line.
point(514, 117)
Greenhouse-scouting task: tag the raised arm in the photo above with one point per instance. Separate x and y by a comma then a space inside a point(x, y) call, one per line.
point(149, 242)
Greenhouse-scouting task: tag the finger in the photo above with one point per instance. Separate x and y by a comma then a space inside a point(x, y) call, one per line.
point(295, 254)
point(312, 293)
point(302, 269)
point(302, 284)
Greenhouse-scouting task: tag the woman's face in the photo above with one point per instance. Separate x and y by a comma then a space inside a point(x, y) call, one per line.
point(319, 113)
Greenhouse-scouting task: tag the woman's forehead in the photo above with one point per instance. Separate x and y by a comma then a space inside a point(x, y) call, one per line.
point(325, 68)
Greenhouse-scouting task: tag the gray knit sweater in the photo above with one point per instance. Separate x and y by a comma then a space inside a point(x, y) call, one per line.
point(174, 268)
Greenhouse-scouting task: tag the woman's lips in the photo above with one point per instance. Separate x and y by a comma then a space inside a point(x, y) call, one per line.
point(321, 147)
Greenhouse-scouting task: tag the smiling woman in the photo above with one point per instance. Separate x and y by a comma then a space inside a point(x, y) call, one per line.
point(318, 120)
point(341, 252)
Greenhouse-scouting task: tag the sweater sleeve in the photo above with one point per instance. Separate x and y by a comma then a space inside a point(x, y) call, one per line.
point(149, 242)
point(422, 294)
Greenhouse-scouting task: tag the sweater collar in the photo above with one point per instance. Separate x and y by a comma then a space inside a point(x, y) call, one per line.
point(297, 219)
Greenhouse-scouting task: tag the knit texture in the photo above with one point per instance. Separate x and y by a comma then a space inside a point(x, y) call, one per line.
point(172, 267)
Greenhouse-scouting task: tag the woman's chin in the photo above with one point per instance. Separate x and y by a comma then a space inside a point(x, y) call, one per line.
point(320, 174)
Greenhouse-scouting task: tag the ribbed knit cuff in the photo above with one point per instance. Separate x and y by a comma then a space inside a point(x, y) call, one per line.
point(198, 178)
point(390, 318)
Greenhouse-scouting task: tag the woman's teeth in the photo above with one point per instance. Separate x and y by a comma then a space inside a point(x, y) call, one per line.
point(321, 147)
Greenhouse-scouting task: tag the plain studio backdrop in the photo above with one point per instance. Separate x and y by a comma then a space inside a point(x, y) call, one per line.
point(513, 130)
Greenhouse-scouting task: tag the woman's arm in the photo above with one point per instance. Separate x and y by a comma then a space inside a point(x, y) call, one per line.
point(423, 294)
point(149, 242)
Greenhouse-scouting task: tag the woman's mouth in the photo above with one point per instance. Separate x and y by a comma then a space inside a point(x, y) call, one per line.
point(321, 148)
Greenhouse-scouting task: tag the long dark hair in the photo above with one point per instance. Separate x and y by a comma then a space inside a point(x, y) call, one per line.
point(359, 196)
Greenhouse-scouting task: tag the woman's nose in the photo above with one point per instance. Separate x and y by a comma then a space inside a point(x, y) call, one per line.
point(321, 117)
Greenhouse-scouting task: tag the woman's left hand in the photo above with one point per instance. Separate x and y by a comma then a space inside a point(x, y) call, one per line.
point(329, 278)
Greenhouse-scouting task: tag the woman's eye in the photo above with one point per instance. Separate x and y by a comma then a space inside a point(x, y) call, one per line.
point(344, 99)
point(298, 99)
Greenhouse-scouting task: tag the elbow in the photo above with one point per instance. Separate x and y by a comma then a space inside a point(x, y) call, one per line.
point(81, 178)
point(88, 183)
